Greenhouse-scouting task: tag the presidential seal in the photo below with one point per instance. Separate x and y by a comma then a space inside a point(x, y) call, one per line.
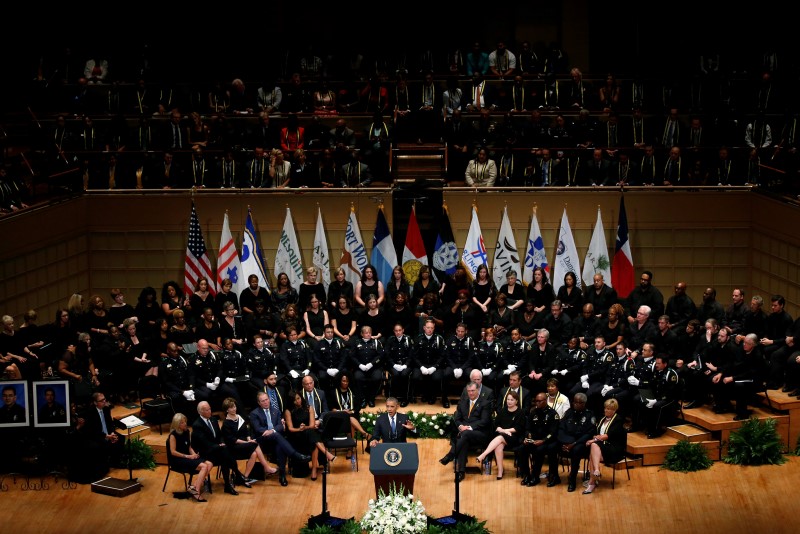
point(392, 457)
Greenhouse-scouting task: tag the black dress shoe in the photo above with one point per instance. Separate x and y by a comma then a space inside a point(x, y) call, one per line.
point(571, 487)
point(241, 481)
point(524, 481)
point(533, 482)
point(230, 490)
point(302, 457)
point(371, 404)
point(689, 405)
point(282, 479)
point(789, 389)
point(431, 401)
point(445, 403)
point(743, 416)
point(446, 459)
point(555, 481)
point(460, 476)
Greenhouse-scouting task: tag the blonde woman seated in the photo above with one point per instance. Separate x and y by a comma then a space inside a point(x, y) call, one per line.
point(509, 426)
point(608, 445)
point(184, 458)
point(481, 171)
point(236, 434)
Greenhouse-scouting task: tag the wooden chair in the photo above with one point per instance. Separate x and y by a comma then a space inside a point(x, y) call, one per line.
point(171, 468)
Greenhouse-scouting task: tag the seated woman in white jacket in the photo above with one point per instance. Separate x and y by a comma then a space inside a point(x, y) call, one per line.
point(481, 171)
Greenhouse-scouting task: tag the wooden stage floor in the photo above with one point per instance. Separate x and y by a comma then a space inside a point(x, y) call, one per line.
point(726, 498)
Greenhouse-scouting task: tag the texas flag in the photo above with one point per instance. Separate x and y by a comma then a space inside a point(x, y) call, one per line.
point(622, 276)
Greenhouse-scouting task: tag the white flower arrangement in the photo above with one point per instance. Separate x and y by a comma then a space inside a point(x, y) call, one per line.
point(394, 513)
point(428, 426)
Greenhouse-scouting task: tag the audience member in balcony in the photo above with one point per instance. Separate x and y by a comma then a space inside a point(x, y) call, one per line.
point(427, 111)
point(378, 146)
point(609, 135)
point(758, 133)
point(264, 134)
point(583, 130)
point(243, 102)
point(675, 172)
point(598, 170)
point(559, 133)
point(457, 138)
point(373, 97)
point(228, 171)
point(451, 97)
point(401, 110)
point(96, 70)
point(324, 99)
point(302, 173)
point(477, 61)
point(342, 141)
point(480, 94)
point(481, 171)
point(297, 97)
point(279, 169)
point(575, 93)
point(258, 173)
point(649, 167)
point(269, 97)
point(326, 169)
point(355, 173)
point(502, 62)
point(292, 135)
point(572, 167)
point(623, 171)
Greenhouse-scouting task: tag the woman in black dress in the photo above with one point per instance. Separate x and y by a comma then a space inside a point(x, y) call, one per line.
point(315, 319)
point(613, 330)
point(199, 300)
point(608, 445)
point(368, 285)
point(344, 320)
point(311, 287)
point(570, 296)
point(343, 399)
point(397, 284)
point(147, 309)
point(373, 317)
point(224, 295)
point(526, 321)
point(184, 458)
point(283, 294)
point(425, 284)
point(236, 434)
point(231, 326)
point(467, 312)
point(172, 298)
point(509, 425)
point(179, 332)
point(340, 287)
point(303, 434)
point(501, 318)
point(483, 290)
point(542, 294)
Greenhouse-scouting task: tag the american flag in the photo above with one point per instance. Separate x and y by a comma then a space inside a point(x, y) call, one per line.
point(197, 264)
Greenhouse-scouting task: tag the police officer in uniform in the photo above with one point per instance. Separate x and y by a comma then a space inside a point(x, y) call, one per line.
point(574, 430)
point(489, 359)
point(261, 362)
point(460, 359)
point(643, 374)
point(295, 359)
point(235, 380)
point(429, 362)
point(665, 389)
point(400, 363)
point(367, 356)
point(541, 438)
point(177, 380)
point(569, 365)
point(515, 354)
point(206, 368)
point(330, 356)
point(598, 361)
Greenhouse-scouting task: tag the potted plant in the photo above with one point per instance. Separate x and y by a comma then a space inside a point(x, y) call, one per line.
point(686, 456)
point(756, 443)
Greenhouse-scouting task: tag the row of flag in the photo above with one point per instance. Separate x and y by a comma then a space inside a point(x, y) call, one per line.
point(617, 273)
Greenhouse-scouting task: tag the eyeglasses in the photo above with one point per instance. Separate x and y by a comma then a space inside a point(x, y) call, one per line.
point(100, 401)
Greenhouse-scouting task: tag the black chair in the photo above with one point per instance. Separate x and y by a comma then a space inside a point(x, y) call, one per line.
point(335, 435)
point(154, 406)
point(171, 468)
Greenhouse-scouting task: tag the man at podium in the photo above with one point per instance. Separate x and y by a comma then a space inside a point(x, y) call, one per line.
point(391, 427)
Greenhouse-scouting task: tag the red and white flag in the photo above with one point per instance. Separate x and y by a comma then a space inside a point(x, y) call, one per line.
point(414, 255)
point(622, 277)
point(228, 264)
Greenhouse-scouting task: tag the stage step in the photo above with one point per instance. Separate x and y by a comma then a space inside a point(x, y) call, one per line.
point(721, 425)
point(654, 451)
point(689, 433)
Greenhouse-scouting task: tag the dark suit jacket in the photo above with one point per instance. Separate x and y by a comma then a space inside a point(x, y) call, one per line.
point(258, 421)
point(382, 430)
point(480, 419)
point(524, 401)
point(203, 441)
point(92, 427)
point(320, 401)
point(486, 394)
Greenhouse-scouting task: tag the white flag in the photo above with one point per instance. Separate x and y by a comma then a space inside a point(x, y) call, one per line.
point(596, 261)
point(474, 253)
point(506, 256)
point(354, 254)
point(287, 258)
point(228, 264)
point(566, 256)
point(322, 260)
point(252, 255)
point(535, 256)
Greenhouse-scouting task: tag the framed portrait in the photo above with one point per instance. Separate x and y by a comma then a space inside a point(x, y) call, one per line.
point(51, 404)
point(14, 408)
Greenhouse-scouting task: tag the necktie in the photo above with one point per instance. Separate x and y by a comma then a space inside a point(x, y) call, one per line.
point(391, 421)
point(471, 405)
point(211, 427)
point(478, 97)
point(103, 421)
point(273, 397)
point(311, 403)
point(269, 420)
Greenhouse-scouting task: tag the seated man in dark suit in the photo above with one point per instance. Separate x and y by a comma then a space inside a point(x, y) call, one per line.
point(99, 428)
point(514, 384)
point(266, 423)
point(391, 427)
point(473, 419)
point(484, 392)
point(207, 441)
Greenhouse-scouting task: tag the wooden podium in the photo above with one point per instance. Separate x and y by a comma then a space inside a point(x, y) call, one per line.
point(394, 464)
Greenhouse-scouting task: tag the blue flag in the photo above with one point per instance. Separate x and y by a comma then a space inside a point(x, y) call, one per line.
point(252, 255)
point(384, 255)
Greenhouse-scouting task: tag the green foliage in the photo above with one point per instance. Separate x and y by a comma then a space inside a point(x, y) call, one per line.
point(428, 425)
point(350, 526)
point(142, 455)
point(686, 456)
point(797, 447)
point(756, 443)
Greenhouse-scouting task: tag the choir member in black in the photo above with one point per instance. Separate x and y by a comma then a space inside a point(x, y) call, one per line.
point(540, 439)
point(399, 310)
point(600, 295)
point(542, 294)
point(208, 328)
point(575, 429)
point(180, 332)
point(465, 311)
point(232, 326)
point(120, 310)
point(666, 340)
point(614, 328)
point(399, 350)
point(586, 326)
point(558, 324)
point(367, 356)
point(249, 295)
point(262, 322)
point(330, 357)
point(314, 320)
point(608, 445)
point(428, 364)
point(430, 309)
point(225, 295)
point(483, 292)
point(295, 358)
point(540, 363)
point(509, 425)
point(527, 320)
point(501, 317)
point(424, 284)
point(642, 330)
point(338, 288)
point(396, 284)
point(373, 316)
point(680, 308)
point(311, 287)
point(489, 357)
point(778, 327)
point(646, 295)
point(344, 321)
point(740, 378)
point(570, 295)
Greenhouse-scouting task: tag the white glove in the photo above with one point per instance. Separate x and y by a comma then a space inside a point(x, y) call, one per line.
point(423, 370)
point(397, 367)
point(431, 370)
point(554, 372)
point(191, 398)
point(216, 381)
point(486, 372)
point(506, 371)
point(585, 378)
point(632, 380)
point(403, 367)
point(332, 372)
point(229, 380)
point(458, 372)
point(212, 386)
point(294, 374)
point(188, 394)
point(306, 371)
point(651, 403)
point(368, 367)
point(585, 385)
point(512, 368)
point(564, 372)
point(605, 390)
point(362, 367)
